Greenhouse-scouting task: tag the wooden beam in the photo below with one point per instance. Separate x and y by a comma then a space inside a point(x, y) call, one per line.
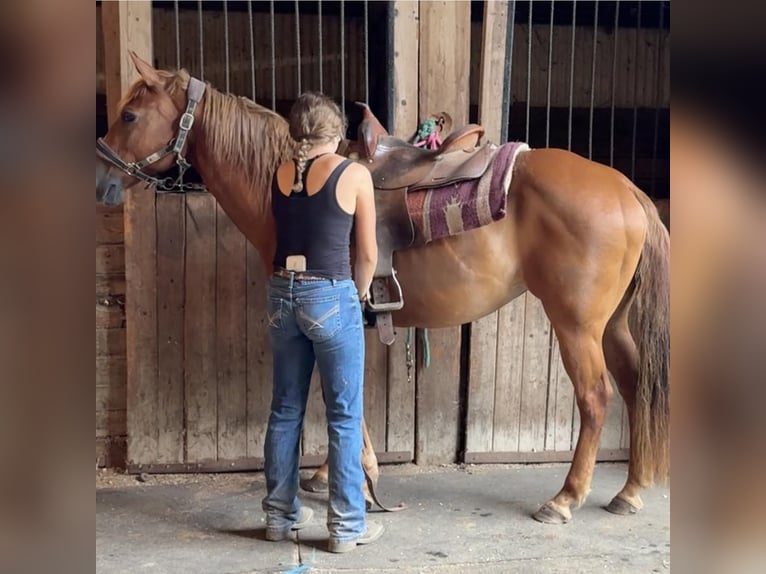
point(400, 431)
point(128, 26)
point(484, 332)
point(445, 43)
point(406, 58)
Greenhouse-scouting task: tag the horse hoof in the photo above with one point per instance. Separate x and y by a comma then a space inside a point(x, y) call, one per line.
point(621, 507)
point(314, 485)
point(549, 515)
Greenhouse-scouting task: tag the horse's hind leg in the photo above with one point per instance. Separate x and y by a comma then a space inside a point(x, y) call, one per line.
point(583, 358)
point(622, 360)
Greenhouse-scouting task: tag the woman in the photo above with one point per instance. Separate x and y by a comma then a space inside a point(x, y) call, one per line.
point(315, 314)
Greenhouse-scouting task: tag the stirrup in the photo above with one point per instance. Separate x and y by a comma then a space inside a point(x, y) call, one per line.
point(386, 306)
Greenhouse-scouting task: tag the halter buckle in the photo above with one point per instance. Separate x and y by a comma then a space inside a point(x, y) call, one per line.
point(187, 121)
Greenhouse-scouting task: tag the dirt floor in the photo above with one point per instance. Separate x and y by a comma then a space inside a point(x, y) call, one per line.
point(460, 519)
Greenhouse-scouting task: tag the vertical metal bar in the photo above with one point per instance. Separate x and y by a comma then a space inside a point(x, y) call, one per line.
point(298, 45)
point(593, 82)
point(366, 53)
point(660, 45)
point(529, 66)
point(507, 71)
point(321, 49)
point(571, 75)
point(390, 49)
point(226, 44)
point(252, 46)
point(635, 98)
point(178, 36)
point(550, 71)
point(342, 56)
point(614, 80)
point(201, 42)
point(273, 60)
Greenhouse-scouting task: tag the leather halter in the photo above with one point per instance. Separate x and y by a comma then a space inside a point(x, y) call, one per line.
point(194, 93)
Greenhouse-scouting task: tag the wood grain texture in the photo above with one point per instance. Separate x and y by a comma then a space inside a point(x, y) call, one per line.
point(484, 332)
point(444, 61)
point(199, 329)
point(400, 429)
point(534, 389)
point(141, 319)
point(508, 376)
point(406, 58)
point(259, 359)
point(231, 339)
point(171, 241)
point(375, 388)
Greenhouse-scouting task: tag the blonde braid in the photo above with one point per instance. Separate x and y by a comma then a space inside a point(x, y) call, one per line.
point(302, 149)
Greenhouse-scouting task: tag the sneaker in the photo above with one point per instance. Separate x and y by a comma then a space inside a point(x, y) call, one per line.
point(373, 532)
point(277, 534)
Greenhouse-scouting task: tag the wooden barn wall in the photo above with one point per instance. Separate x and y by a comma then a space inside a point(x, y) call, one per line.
point(211, 370)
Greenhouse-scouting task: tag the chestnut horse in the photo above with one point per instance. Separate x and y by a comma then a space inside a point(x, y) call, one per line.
point(578, 235)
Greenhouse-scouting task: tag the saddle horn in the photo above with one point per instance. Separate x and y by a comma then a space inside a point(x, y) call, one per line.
point(369, 131)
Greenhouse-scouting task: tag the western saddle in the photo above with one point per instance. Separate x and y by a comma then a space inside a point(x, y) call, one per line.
point(399, 167)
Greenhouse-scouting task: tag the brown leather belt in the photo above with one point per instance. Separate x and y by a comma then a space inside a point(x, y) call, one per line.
point(298, 275)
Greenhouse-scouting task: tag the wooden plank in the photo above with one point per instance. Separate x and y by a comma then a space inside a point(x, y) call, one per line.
point(484, 332)
point(110, 224)
point(406, 59)
point(127, 26)
point(508, 376)
point(438, 398)
point(112, 423)
point(534, 389)
point(110, 285)
point(400, 430)
point(109, 316)
point(481, 384)
point(111, 397)
point(498, 457)
point(110, 451)
point(561, 406)
point(111, 371)
point(199, 329)
point(375, 388)
point(231, 339)
point(245, 464)
point(445, 49)
point(110, 342)
point(170, 329)
point(141, 320)
point(444, 60)
point(110, 259)
point(259, 359)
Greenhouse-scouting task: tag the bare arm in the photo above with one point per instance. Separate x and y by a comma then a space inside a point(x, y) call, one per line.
point(366, 244)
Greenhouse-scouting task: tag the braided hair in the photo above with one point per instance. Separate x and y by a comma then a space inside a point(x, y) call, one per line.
point(314, 119)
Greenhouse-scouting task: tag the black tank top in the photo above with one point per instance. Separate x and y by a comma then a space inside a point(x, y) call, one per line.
point(314, 226)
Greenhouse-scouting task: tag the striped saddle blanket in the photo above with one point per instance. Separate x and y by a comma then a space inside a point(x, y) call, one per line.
point(459, 207)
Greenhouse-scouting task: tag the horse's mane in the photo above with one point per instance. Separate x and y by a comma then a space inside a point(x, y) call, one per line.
point(250, 139)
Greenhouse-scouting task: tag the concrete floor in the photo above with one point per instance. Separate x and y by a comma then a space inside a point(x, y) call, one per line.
point(460, 519)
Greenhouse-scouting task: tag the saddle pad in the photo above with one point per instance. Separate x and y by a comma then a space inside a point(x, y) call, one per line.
point(460, 207)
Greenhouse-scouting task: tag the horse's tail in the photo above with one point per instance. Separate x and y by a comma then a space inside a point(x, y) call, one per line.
point(651, 314)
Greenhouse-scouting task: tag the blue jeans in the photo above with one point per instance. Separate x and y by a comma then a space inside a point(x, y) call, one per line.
point(316, 320)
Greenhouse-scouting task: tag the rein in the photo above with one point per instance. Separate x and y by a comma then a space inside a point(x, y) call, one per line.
point(135, 169)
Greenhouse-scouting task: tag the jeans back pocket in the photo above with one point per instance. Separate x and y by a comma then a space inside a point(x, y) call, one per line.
point(319, 318)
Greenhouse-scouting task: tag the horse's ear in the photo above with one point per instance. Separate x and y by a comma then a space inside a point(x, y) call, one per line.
point(148, 74)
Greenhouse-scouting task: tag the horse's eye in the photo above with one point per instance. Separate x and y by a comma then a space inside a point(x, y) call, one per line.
point(128, 116)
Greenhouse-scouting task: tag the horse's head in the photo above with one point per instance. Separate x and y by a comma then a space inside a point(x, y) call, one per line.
point(142, 139)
